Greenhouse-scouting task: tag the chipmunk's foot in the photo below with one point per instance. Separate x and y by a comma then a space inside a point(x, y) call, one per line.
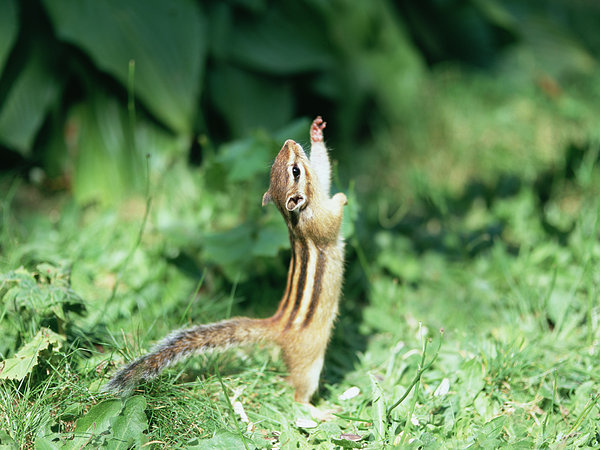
point(323, 414)
point(316, 130)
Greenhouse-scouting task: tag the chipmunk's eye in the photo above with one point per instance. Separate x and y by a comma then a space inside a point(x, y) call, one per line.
point(296, 172)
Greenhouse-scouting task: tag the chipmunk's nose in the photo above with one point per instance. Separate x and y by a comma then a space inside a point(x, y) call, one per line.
point(293, 148)
point(290, 146)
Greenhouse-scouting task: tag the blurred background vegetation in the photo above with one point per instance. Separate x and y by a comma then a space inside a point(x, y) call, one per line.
point(87, 89)
point(428, 103)
point(135, 144)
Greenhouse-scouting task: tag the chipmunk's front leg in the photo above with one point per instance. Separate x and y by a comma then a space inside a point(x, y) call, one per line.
point(319, 159)
point(335, 205)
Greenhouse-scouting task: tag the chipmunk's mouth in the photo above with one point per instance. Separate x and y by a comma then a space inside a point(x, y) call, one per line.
point(295, 202)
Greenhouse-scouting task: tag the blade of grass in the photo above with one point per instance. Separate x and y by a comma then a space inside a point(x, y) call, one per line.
point(137, 242)
point(588, 408)
point(421, 370)
point(189, 305)
point(356, 419)
point(230, 407)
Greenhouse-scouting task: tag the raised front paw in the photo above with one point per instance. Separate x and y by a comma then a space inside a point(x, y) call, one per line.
point(316, 130)
point(341, 198)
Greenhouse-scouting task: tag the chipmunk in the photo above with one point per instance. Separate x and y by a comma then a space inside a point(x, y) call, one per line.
point(299, 188)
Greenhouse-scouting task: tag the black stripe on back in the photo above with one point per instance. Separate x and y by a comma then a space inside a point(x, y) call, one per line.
point(288, 289)
point(316, 293)
point(301, 283)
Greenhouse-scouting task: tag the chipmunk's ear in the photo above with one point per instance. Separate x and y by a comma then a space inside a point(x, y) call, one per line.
point(267, 198)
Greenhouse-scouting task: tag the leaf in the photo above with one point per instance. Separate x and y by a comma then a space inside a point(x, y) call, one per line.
point(248, 101)
point(128, 427)
point(220, 441)
point(378, 408)
point(490, 431)
point(25, 360)
point(555, 49)
point(95, 422)
point(231, 246)
point(43, 443)
point(244, 159)
point(6, 441)
point(472, 380)
point(8, 29)
point(442, 388)
point(108, 166)
point(167, 41)
point(285, 39)
point(296, 130)
point(272, 237)
point(345, 441)
point(26, 105)
point(496, 13)
point(557, 305)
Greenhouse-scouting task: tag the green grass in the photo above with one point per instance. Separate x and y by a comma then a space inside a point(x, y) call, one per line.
point(504, 262)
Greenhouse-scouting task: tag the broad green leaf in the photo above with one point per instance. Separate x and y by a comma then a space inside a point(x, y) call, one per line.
point(483, 405)
point(472, 379)
point(298, 130)
point(346, 443)
point(272, 237)
point(490, 432)
point(220, 441)
point(25, 360)
point(557, 305)
point(167, 41)
point(42, 443)
point(496, 13)
point(103, 172)
point(8, 29)
point(248, 101)
point(97, 421)
point(231, 246)
point(6, 441)
point(378, 408)
point(244, 159)
point(30, 96)
point(45, 293)
point(394, 66)
point(555, 49)
point(128, 427)
point(285, 39)
point(110, 159)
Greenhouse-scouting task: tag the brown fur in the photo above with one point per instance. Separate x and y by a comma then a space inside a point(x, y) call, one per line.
point(304, 319)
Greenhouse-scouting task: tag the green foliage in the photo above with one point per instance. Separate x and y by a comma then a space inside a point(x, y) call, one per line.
point(203, 73)
point(519, 325)
point(119, 424)
point(31, 300)
point(557, 35)
point(166, 41)
point(26, 358)
point(8, 29)
point(475, 209)
point(30, 99)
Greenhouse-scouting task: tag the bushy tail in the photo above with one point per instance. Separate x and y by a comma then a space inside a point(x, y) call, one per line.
point(184, 343)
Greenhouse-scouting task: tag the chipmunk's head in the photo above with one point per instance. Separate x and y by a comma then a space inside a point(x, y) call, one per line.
point(291, 187)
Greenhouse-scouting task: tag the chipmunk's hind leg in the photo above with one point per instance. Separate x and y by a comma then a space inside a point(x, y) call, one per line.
point(304, 355)
point(306, 379)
